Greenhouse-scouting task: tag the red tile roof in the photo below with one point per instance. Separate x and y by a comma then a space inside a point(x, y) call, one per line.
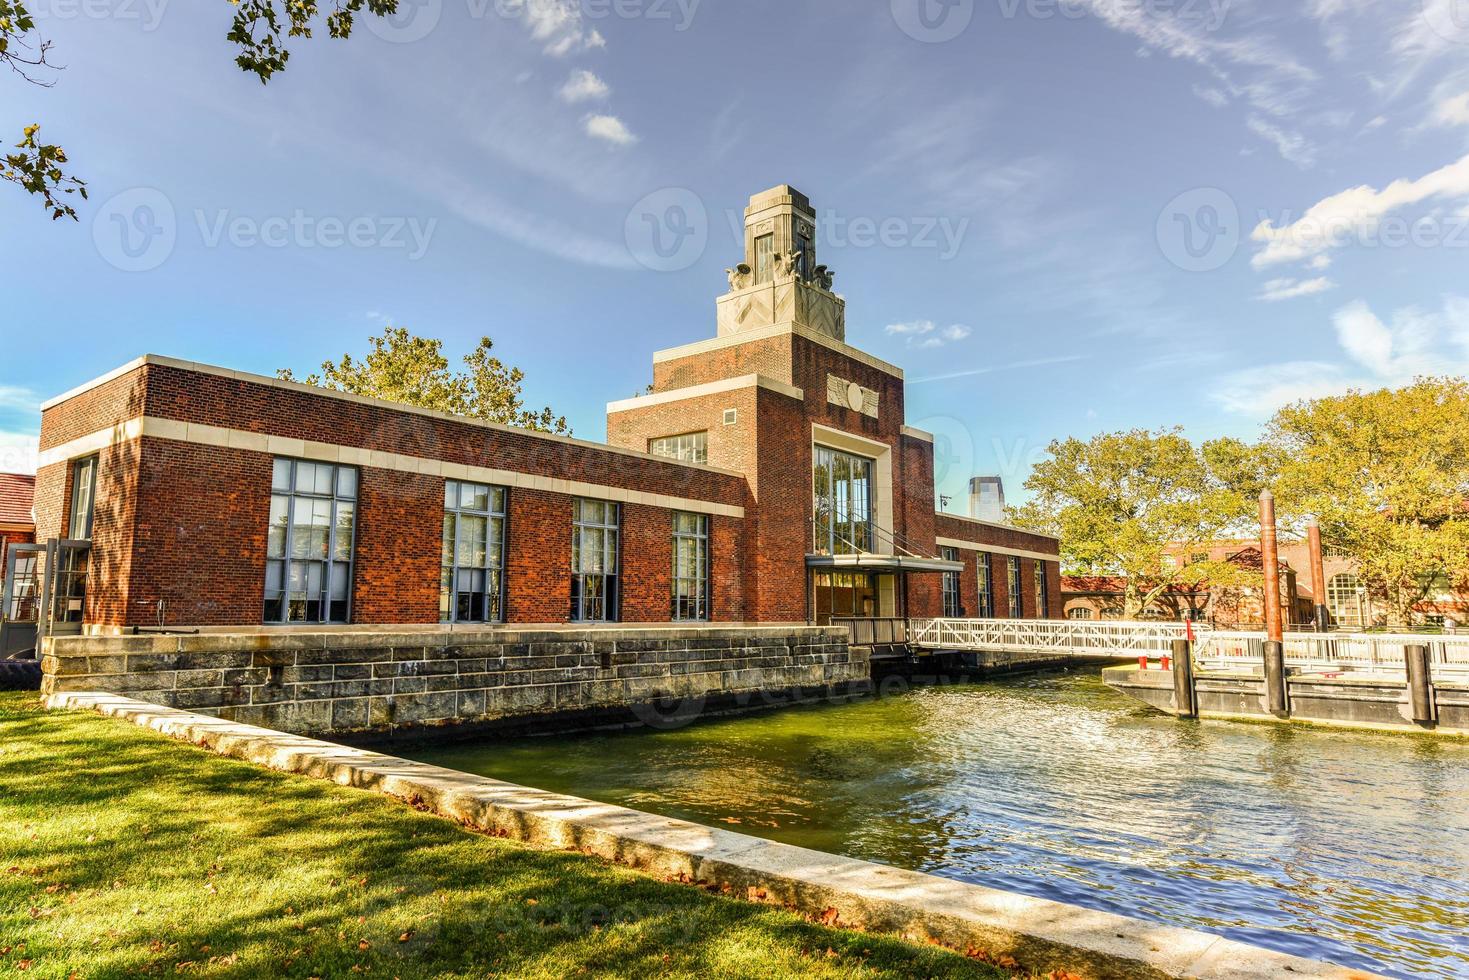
point(17, 493)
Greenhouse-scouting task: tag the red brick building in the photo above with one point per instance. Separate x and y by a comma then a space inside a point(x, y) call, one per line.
point(768, 477)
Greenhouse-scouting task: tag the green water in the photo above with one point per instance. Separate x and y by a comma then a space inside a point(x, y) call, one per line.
point(1341, 846)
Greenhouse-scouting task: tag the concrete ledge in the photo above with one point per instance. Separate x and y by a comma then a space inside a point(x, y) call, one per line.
point(1040, 935)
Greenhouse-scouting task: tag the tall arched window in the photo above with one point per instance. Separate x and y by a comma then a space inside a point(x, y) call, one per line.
point(1343, 599)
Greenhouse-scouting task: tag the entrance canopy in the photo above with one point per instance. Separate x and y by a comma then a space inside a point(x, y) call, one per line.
point(882, 563)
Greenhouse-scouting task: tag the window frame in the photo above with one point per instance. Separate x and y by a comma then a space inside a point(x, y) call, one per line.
point(494, 567)
point(764, 264)
point(701, 595)
point(830, 503)
point(698, 446)
point(92, 464)
point(609, 593)
point(1015, 584)
point(1042, 591)
point(985, 572)
point(952, 586)
point(335, 498)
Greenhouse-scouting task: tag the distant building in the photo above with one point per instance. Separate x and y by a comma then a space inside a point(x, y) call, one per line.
point(987, 499)
point(17, 520)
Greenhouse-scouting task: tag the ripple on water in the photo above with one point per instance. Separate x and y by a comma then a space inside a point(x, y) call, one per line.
point(1341, 846)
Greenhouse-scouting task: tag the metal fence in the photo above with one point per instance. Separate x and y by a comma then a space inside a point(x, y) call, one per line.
point(1331, 652)
point(1079, 637)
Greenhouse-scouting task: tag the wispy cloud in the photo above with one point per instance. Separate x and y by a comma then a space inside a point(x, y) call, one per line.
point(18, 452)
point(556, 24)
point(927, 334)
point(1452, 110)
point(998, 368)
point(1291, 145)
point(583, 86)
point(609, 128)
point(1412, 343)
point(1282, 289)
point(1353, 215)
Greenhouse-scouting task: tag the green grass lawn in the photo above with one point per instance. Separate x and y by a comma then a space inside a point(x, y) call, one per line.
point(123, 852)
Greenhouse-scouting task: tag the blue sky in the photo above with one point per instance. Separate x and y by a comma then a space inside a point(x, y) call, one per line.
point(1059, 216)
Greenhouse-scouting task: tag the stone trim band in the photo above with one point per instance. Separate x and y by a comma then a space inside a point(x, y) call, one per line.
point(196, 433)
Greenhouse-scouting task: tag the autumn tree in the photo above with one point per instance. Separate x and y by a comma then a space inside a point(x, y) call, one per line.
point(402, 367)
point(1144, 505)
point(1386, 474)
point(258, 29)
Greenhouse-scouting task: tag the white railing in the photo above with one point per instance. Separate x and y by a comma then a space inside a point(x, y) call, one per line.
point(1102, 639)
point(1373, 652)
point(1213, 649)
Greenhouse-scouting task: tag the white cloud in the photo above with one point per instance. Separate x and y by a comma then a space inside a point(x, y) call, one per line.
point(927, 334)
point(1215, 97)
point(1413, 343)
point(1319, 263)
point(1294, 147)
point(583, 86)
point(609, 128)
point(1353, 215)
point(1452, 111)
point(556, 24)
point(1283, 289)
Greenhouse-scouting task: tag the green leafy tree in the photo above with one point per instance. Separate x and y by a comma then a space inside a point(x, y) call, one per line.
point(1386, 474)
point(402, 367)
point(259, 29)
point(1144, 505)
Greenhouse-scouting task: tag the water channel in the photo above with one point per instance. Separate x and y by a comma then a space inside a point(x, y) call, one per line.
point(1348, 847)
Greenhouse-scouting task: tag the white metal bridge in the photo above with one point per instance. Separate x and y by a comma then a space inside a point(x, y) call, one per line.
point(1214, 650)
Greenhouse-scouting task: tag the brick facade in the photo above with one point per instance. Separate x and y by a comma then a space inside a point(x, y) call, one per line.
point(186, 454)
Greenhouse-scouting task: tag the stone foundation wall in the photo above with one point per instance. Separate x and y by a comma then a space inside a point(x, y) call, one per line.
point(366, 683)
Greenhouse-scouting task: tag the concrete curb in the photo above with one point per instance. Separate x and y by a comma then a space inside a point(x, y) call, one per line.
point(1040, 935)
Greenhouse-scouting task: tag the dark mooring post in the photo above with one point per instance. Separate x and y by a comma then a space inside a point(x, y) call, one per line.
point(1185, 699)
point(1420, 685)
point(1318, 577)
point(1276, 699)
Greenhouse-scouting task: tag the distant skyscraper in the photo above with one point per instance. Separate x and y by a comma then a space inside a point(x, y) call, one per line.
point(987, 499)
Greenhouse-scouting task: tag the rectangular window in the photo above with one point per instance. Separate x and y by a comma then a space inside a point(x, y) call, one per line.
point(843, 503)
point(472, 562)
point(1017, 603)
point(594, 560)
point(986, 586)
point(764, 259)
point(692, 447)
point(309, 543)
point(691, 567)
point(1042, 592)
point(803, 258)
point(953, 604)
point(83, 498)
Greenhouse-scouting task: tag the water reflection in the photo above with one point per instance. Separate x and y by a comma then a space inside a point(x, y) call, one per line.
point(1342, 846)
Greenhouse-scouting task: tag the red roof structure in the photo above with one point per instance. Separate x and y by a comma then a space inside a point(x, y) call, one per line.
point(17, 494)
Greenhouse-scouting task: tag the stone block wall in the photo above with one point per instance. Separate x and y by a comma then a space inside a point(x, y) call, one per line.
point(362, 683)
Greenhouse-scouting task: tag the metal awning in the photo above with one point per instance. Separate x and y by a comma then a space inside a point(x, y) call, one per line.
point(883, 563)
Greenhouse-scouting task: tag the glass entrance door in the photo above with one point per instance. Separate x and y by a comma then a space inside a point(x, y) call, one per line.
point(852, 595)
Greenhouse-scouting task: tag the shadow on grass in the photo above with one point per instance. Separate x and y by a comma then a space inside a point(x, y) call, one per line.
point(124, 853)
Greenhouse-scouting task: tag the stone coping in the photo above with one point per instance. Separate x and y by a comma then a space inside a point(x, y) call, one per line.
point(1040, 935)
point(343, 638)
